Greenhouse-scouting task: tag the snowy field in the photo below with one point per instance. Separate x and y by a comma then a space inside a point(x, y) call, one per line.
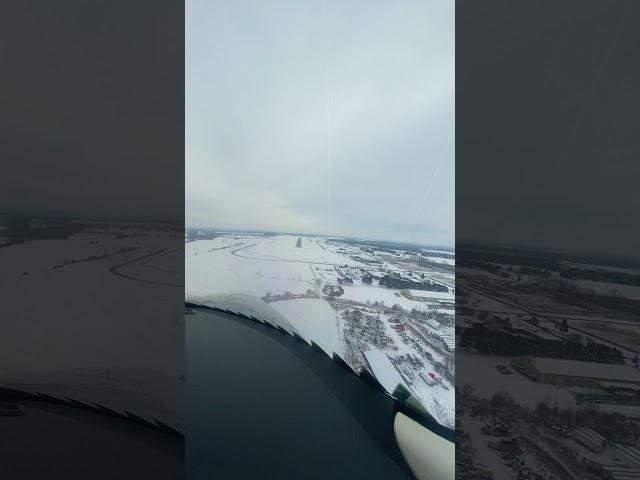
point(293, 279)
point(90, 350)
point(480, 372)
point(390, 296)
point(224, 265)
point(273, 265)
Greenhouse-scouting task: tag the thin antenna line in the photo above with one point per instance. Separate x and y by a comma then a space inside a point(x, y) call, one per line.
point(327, 115)
point(595, 80)
point(428, 192)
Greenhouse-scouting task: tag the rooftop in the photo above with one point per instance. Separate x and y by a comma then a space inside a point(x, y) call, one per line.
point(574, 368)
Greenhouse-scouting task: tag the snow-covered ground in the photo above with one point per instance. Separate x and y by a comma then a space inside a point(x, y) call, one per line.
point(490, 457)
point(258, 266)
point(444, 261)
point(222, 266)
point(113, 339)
point(605, 288)
point(433, 295)
point(481, 373)
point(288, 279)
point(390, 296)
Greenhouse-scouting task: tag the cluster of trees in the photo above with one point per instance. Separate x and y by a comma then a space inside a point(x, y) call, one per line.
point(489, 267)
point(90, 258)
point(600, 275)
point(563, 287)
point(402, 283)
point(269, 297)
point(332, 290)
point(612, 426)
point(536, 272)
point(366, 329)
point(502, 399)
point(493, 342)
point(444, 371)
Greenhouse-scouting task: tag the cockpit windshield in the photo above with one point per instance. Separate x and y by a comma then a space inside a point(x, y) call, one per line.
point(319, 181)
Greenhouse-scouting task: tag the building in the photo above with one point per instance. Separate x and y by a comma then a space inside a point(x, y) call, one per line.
point(428, 379)
point(629, 455)
point(590, 439)
point(617, 471)
point(433, 324)
point(575, 373)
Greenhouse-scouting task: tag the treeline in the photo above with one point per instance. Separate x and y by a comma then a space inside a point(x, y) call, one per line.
point(449, 256)
point(501, 269)
point(402, 283)
point(92, 258)
point(382, 246)
point(431, 264)
point(18, 229)
point(538, 260)
point(492, 342)
point(601, 276)
point(392, 247)
point(613, 427)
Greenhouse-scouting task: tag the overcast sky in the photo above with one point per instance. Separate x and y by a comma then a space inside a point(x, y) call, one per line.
point(547, 131)
point(92, 109)
point(256, 117)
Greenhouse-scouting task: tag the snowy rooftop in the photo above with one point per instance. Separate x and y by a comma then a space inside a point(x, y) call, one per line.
point(573, 368)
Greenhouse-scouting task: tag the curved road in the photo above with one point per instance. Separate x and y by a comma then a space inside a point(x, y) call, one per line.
point(149, 256)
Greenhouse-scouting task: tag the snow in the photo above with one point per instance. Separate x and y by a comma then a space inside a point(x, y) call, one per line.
point(89, 349)
point(220, 271)
point(274, 265)
point(448, 279)
point(628, 291)
point(490, 457)
point(427, 294)
point(624, 373)
point(632, 411)
point(433, 250)
point(236, 272)
point(438, 401)
point(593, 266)
point(445, 261)
point(283, 248)
point(390, 296)
point(480, 372)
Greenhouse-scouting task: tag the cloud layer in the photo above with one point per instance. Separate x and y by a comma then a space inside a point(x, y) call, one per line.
point(256, 117)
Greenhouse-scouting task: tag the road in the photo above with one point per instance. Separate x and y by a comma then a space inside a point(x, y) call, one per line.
point(278, 259)
point(150, 256)
point(630, 353)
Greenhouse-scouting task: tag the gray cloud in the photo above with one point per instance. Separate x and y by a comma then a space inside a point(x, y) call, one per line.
point(256, 124)
point(547, 125)
point(92, 105)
